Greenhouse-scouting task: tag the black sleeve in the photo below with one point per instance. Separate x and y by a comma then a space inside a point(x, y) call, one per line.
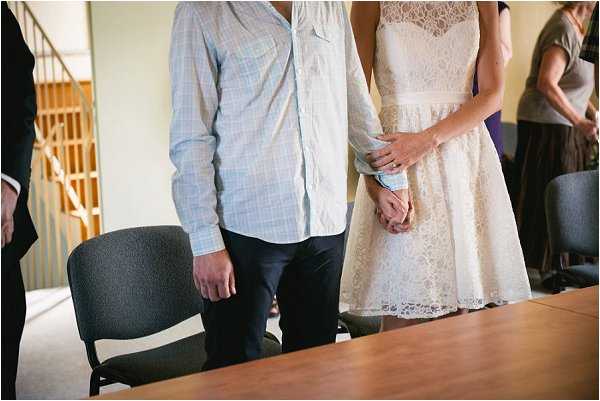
point(18, 101)
point(502, 6)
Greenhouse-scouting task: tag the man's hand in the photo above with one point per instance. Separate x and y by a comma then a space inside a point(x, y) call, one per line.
point(213, 275)
point(9, 203)
point(391, 206)
point(405, 225)
point(394, 225)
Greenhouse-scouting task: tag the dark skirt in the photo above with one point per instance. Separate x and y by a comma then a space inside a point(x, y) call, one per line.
point(544, 151)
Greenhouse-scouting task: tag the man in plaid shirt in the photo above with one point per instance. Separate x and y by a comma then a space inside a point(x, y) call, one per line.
point(266, 97)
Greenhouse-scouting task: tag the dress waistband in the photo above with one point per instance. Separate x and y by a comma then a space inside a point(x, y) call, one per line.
point(425, 98)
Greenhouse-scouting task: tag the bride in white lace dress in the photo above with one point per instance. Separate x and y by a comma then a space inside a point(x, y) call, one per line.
point(462, 250)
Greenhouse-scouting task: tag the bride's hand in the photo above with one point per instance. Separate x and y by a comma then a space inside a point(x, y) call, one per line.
point(403, 151)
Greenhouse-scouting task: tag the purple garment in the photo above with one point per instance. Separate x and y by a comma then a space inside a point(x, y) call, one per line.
point(493, 124)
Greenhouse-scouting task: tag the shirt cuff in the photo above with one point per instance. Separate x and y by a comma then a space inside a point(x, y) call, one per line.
point(13, 183)
point(206, 241)
point(393, 182)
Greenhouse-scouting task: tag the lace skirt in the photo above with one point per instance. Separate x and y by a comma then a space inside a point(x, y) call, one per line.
point(463, 250)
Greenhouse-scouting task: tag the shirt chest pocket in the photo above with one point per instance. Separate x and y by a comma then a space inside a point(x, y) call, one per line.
point(255, 60)
point(324, 49)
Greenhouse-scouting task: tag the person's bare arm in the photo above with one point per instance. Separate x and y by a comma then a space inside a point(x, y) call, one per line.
point(505, 36)
point(406, 150)
point(553, 65)
point(364, 19)
point(591, 111)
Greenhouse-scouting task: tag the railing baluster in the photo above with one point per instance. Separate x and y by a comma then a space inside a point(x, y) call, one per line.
point(76, 135)
point(17, 13)
point(66, 156)
point(58, 219)
point(57, 185)
point(29, 258)
point(47, 174)
point(25, 28)
point(40, 160)
point(45, 243)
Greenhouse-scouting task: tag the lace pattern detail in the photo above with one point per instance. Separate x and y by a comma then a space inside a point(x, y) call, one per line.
point(426, 46)
point(436, 17)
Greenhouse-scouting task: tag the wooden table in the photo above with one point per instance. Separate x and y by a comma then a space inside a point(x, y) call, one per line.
point(578, 301)
point(546, 348)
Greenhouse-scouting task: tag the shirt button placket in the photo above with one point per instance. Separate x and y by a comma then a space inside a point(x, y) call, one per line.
point(304, 126)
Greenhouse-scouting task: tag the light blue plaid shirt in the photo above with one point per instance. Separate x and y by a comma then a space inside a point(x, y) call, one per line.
point(262, 114)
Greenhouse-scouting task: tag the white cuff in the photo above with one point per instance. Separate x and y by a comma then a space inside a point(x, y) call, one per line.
point(393, 182)
point(13, 183)
point(206, 240)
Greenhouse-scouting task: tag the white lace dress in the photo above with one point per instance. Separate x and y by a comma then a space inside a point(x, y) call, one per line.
point(463, 250)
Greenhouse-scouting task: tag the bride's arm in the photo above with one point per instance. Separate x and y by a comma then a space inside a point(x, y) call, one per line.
point(364, 19)
point(408, 149)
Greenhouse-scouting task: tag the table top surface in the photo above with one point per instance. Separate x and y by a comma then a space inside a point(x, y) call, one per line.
point(535, 349)
point(578, 301)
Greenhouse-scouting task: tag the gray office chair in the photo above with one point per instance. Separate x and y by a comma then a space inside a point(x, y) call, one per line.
point(509, 139)
point(572, 220)
point(355, 325)
point(133, 283)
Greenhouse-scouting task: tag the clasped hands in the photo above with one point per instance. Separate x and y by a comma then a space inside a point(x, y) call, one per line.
point(394, 209)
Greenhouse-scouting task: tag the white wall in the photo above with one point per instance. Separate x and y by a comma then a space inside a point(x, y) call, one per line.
point(130, 44)
point(66, 24)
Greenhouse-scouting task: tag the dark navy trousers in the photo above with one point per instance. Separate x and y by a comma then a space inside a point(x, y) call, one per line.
point(306, 278)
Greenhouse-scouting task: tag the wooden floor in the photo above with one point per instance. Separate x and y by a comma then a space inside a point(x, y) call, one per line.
point(542, 349)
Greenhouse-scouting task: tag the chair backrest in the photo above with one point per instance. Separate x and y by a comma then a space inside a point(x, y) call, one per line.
point(132, 283)
point(572, 213)
point(509, 139)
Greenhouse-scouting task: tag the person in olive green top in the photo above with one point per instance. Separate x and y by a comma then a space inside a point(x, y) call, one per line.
point(556, 124)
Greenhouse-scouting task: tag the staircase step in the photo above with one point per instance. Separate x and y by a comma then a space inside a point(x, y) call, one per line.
point(58, 111)
point(95, 212)
point(76, 176)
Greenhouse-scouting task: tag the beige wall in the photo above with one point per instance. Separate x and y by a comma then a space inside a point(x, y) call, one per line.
point(527, 19)
point(130, 45)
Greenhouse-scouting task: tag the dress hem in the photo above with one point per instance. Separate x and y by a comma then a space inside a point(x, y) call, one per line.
point(442, 311)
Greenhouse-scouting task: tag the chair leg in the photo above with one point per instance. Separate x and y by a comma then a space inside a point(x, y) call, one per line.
point(557, 283)
point(94, 384)
point(342, 327)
